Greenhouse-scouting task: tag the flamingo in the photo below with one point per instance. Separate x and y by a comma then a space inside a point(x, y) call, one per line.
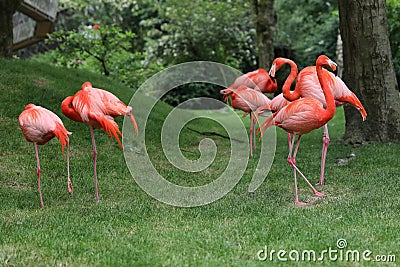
point(307, 85)
point(40, 125)
point(97, 108)
point(248, 100)
point(304, 115)
point(259, 80)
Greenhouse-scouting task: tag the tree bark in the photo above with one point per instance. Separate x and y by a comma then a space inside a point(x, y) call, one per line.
point(264, 21)
point(7, 9)
point(369, 72)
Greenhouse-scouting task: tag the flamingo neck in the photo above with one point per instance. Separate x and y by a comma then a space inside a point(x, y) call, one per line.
point(330, 101)
point(291, 95)
point(68, 110)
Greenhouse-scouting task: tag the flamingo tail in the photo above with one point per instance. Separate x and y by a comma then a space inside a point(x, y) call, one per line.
point(62, 134)
point(110, 127)
point(354, 101)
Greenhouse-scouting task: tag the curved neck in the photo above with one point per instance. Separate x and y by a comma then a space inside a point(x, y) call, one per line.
point(68, 110)
point(323, 77)
point(291, 96)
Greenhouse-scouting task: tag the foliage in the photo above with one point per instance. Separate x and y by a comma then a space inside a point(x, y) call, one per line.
point(126, 14)
point(104, 49)
point(129, 228)
point(219, 31)
point(204, 30)
point(309, 27)
point(393, 16)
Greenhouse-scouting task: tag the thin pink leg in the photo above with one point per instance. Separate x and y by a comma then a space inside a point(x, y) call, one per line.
point(296, 201)
point(254, 129)
point(94, 164)
point(325, 144)
point(38, 175)
point(302, 175)
point(70, 188)
point(292, 162)
point(251, 137)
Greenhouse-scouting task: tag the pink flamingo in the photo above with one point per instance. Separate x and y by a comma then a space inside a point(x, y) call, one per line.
point(259, 80)
point(248, 100)
point(307, 85)
point(304, 115)
point(97, 108)
point(40, 125)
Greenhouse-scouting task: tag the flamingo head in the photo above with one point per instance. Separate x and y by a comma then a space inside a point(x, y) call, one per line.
point(29, 106)
point(226, 93)
point(277, 64)
point(325, 61)
point(86, 85)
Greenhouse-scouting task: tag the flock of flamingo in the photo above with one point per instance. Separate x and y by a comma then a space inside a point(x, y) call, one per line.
point(310, 106)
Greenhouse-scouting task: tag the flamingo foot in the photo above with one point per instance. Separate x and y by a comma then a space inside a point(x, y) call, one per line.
point(300, 203)
point(320, 183)
point(319, 194)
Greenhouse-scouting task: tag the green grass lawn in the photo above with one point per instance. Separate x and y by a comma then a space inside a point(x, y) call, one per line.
point(130, 228)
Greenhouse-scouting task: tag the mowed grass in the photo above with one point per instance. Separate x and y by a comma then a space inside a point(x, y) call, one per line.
point(130, 228)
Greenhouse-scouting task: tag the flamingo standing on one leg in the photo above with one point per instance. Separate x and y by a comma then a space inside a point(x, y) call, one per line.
point(40, 125)
point(248, 100)
point(97, 108)
point(304, 115)
point(307, 85)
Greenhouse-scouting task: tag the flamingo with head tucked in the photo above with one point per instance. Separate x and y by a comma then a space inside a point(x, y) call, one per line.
point(40, 125)
point(97, 108)
point(304, 115)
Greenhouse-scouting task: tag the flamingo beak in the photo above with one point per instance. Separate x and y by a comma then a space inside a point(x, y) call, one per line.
point(272, 72)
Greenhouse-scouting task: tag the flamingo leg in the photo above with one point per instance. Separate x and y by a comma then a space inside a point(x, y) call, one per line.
point(325, 144)
point(254, 131)
point(251, 136)
point(70, 188)
point(292, 162)
point(94, 163)
point(38, 174)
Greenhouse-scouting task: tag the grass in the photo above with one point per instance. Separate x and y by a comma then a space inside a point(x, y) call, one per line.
point(129, 228)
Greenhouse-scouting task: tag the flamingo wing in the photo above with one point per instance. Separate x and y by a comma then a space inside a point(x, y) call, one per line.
point(301, 116)
point(307, 80)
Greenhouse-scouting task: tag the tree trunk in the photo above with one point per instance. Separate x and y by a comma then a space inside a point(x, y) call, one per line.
point(7, 9)
point(264, 21)
point(369, 72)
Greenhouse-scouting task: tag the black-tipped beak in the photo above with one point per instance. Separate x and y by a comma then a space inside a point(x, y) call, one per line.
point(335, 72)
point(272, 78)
